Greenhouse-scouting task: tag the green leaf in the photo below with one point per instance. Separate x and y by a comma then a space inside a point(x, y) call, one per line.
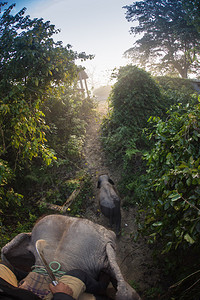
point(166, 206)
point(36, 81)
point(188, 181)
point(157, 224)
point(189, 239)
point(175, 197)
point(167, 247)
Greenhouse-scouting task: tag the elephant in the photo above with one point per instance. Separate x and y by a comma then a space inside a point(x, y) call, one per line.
point(75, 243)
point(109, 202)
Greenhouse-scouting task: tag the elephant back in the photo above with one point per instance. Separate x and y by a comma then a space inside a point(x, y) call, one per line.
point(73, 242)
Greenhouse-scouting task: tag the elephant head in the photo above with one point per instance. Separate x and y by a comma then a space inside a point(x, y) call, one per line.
point(73, 242)
point(109, 202)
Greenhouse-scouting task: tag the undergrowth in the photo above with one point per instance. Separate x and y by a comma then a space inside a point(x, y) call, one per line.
point(160, 171)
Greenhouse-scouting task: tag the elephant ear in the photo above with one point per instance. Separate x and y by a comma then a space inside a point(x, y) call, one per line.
point(110, 181)
point(124, 290)
point(98, 184)
point(17, 252)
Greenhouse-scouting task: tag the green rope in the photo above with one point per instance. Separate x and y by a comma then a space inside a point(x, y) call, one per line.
point(41, 270)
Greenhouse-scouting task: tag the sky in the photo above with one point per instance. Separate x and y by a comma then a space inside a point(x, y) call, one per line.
point(97, 27)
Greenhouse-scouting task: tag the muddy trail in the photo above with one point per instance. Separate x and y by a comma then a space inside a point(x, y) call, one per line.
point(134, 258)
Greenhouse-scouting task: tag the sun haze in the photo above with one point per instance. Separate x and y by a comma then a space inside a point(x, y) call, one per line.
point(95, 27)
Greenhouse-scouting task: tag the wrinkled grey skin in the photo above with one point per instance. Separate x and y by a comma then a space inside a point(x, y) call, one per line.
point(76, 244)
point(109, 202)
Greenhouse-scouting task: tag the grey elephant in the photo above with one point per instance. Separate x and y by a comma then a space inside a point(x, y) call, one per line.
point(109, 201)
point(76, 244)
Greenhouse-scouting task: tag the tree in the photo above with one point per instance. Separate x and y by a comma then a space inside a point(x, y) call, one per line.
point(32, 66)
point(169, 43)
point(193, 8)
point(133, 99)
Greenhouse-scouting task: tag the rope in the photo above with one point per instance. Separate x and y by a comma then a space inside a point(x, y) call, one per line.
point(56, 271)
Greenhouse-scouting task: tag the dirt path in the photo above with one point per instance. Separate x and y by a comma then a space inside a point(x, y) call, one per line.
point(134, 258)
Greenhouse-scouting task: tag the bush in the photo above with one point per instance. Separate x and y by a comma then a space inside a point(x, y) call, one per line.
point(165, 185)
point(177, 90)
point(171, 202)
point(174, 172)
point(134, 98)
point(67, 117)
point(35, 72)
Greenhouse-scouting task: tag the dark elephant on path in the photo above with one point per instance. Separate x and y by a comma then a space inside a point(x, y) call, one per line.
point(76, 244)
point(109, 202)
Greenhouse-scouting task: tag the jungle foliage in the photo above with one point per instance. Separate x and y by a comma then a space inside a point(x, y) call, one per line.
point(155, 126)
point(134, 98)
point(42, 117)
point(172, 213)
point(174, 176)
point(168, 36)
point(192, 8)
